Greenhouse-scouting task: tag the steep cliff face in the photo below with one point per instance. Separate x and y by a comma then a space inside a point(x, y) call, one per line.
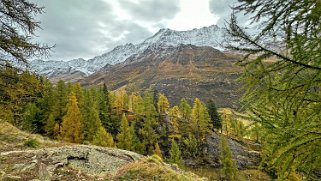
point(184, 71)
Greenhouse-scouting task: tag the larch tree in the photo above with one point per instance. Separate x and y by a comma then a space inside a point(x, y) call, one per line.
point(18, 25)
point(120, 103)
point(72, 128)
point(282, 81)
point(157, 151)
point(137, 104)
point(186, 112)
point(16, 91)
point(173, 127)
point(200, 124)
point(103, 138)
point(125, 139)
point(229, 169)
point(77, 90)
point(162, 104)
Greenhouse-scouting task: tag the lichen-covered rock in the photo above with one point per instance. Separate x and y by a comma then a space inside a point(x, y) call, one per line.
point(72, 162)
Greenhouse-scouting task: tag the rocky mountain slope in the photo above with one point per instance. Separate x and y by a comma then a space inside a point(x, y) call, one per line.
point(180, 71)
point(211, 36)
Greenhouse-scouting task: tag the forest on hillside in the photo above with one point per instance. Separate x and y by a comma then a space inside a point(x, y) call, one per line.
point(145, 124)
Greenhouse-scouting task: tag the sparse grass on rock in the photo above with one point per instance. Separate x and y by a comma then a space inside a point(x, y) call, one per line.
point(153, 168)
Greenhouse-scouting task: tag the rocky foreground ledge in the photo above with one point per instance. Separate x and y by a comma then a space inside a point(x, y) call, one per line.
point(59, 163)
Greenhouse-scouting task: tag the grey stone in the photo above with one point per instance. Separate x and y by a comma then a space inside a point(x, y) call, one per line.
point(85, 158)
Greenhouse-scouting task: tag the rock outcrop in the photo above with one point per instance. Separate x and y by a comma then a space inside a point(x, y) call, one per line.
point(63, 163)
point(244, 157)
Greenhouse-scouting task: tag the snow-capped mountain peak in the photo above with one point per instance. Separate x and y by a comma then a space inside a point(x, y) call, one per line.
point(212, 36)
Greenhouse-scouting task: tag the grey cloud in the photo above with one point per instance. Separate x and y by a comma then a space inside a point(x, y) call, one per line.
point(135, 34)
point(222, 8)
point(83, 28)
point(151, 10)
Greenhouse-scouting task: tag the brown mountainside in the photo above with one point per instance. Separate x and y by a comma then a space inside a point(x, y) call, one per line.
point(184, 71)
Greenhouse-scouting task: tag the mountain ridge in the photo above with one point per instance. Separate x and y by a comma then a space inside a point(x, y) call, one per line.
point(185, 71)
point(212, 36)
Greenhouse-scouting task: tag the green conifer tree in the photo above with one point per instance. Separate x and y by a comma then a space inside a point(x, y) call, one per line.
point(105, 109)
point(191, 146)
point(125, 139)
point(215, 117)
point(90, 114)
point(32, 120)
point(61, 100)
point(186, 112)
point(175, 154)
point(149, 135)
point(139, 147)
point(50, 126)
point(229, 169)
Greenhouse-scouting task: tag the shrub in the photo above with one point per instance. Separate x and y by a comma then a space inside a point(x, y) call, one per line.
point(31, 142)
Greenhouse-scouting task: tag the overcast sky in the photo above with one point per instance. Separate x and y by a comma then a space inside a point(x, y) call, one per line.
point(87, 28)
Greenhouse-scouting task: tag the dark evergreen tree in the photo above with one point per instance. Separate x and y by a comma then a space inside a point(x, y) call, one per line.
point(32, 121)
point(214, 115)
point(105, 109)
point(61, 99)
